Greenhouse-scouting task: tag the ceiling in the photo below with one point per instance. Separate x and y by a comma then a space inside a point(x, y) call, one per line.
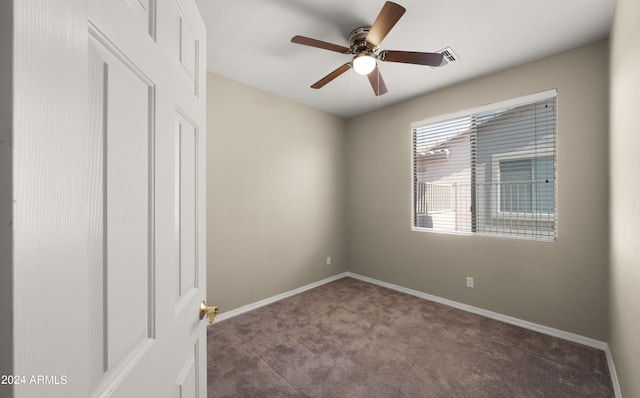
point(249, 41)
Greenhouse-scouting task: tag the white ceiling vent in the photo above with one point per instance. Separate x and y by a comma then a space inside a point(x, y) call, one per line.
point(449, 56)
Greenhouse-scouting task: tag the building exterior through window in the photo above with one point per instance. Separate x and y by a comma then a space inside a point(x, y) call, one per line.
point(491, 171)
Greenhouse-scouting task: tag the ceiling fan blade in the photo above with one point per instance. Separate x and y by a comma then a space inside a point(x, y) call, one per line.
point(377, 82)
point(386, 20)
point(411, 57)
point(340, 70)
point(307, 41)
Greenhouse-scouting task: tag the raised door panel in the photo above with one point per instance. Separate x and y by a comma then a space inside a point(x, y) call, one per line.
point(128, 258)
point(144, 11)
point(188, 51)
point(186, 175)
point(187, 379)
point(188, 179)
point(122, 112)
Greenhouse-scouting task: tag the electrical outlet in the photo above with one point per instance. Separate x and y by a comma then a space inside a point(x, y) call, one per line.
point(328, 260)
point(469, 281)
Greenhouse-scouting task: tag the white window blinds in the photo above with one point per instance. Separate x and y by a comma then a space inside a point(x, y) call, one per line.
point(490, 171)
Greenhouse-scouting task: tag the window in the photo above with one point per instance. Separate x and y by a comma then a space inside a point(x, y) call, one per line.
point(489, 171)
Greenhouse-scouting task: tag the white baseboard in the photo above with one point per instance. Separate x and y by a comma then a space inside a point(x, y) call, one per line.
point(612, 372)
point(576, 338)
point(278, 297)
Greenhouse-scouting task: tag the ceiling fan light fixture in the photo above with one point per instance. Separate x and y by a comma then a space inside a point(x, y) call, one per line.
point(364, 63)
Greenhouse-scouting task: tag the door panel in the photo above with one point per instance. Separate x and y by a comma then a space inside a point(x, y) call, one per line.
point(188, 51)
point(128, 238)
point(187, 189)
point(188, 376)
point(144, 13)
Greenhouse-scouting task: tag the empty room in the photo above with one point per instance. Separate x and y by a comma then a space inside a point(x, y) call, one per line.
point(298, 196)
point(204, 198)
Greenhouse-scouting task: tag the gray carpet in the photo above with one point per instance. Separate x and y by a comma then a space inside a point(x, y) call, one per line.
point(349, 338)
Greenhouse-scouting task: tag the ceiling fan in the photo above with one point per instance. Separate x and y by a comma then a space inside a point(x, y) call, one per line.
point(364, 43)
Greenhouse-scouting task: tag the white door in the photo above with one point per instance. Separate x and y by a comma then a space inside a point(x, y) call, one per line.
point(102, 200)
point(147, 112)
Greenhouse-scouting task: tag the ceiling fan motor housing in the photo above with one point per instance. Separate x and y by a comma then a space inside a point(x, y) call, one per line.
point(357, 42)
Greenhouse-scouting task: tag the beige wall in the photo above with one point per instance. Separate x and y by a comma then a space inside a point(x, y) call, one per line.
point(275, 194)
point(625, 195)
point(561, 285)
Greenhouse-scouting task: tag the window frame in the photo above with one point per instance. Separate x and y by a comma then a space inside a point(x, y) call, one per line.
point(495, 172)
point(550, 218)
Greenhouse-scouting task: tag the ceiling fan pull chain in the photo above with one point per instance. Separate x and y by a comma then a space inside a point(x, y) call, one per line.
point(351, 88)
point(378, 96)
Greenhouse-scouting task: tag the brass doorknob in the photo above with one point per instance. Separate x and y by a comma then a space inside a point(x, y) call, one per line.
point(209, 310)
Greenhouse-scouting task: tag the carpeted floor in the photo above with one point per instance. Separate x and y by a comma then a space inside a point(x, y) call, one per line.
point(350, 339)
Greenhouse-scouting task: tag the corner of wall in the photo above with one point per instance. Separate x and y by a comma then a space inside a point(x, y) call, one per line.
point(275, 201)
point(624, 255)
